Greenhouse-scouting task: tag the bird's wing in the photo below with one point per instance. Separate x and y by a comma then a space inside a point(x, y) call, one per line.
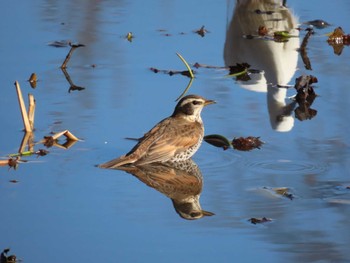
point(170, 140)
point(140, 149)
point(161, 143)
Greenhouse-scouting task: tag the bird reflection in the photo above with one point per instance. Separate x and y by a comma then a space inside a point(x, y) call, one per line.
point(181, 181)
point(276, 60)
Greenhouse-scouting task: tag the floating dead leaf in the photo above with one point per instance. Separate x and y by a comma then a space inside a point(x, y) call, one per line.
point(202, 31)
point(318, 23)
point(129, 36)
point(284, 191)
point(337, 39)
point(13, 163)
point(218, 141)
point(338, 36)
point(246, 143)
point(32, 80)
point(255, 220)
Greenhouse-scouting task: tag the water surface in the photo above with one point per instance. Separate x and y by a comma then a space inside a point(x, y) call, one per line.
point(63, 208)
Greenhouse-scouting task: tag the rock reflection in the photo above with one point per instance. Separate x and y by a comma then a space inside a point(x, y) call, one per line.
point(182, 182)
point(277, 60)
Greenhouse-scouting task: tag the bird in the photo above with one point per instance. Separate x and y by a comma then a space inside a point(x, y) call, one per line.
point(175, 138)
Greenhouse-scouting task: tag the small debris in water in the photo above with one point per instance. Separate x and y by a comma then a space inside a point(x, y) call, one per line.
point(318, 23)
point(32, 80)
point(202, 31)
point(60, 43)
point(13, 181)
point(129, 36)
point(171, 72)
point(284, 191)
point(255, 220)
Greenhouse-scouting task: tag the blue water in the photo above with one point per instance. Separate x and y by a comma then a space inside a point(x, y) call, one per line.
point(63, 208)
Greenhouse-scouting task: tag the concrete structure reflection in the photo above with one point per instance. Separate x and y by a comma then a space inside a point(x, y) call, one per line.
point(276, 60)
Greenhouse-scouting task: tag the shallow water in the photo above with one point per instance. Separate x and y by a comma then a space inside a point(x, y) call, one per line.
point(65, 208)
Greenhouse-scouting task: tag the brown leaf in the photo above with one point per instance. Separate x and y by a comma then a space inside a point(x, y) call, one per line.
point(338, 39)
point(337, 36)
point(13, 163)
point(247, 143)
point(33, 80)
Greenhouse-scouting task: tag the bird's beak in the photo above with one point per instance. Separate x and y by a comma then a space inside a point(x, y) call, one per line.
point(208, 102)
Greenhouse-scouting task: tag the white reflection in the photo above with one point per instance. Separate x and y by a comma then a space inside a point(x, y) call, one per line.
point(278, 61)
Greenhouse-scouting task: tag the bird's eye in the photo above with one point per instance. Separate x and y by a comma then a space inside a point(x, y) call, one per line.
point(195, 214)
point(196, 102)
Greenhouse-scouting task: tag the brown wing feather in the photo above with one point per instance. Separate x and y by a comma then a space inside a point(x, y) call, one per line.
point(161, 143)
point(177, 138)
point(141, 147)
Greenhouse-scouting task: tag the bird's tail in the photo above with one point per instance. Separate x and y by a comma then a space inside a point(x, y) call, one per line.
point(115, 163)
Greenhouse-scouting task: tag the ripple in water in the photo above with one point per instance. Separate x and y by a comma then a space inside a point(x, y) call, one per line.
point(288, 166)
point(213, 159)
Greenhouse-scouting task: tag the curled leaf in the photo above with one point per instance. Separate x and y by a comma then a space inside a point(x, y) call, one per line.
point(246, 143)
point(32, 80)
point(218, 141)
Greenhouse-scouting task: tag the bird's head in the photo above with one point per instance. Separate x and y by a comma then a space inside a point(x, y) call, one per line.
point(191, 106)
